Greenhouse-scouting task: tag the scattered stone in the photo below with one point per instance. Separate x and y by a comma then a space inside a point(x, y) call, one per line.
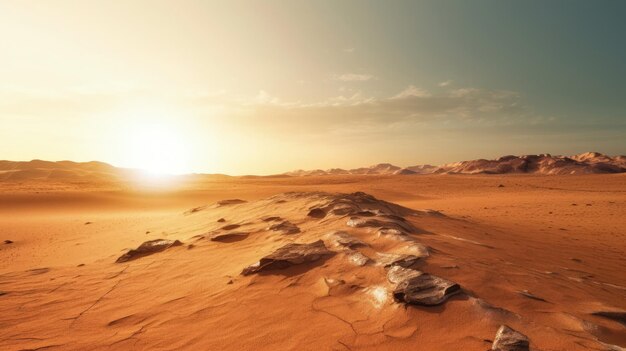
point(148, 248)
point(230, 282)
point(87, 223)
point(285, 227)
point(194, 210)
point(425, 289)
point(317, 213)
point(147, 232)
point(3, 293)
point(81, 265)
point(221, 220)
point(8, 242)
point(289, 255)
point(508, 339)
point(344, 240)
point(576, 259)
point(271, 219)
point(231, 226)
point(365, 214)
point(501, 186)
point(529, 295)
point(229, 237)
point(618, 316)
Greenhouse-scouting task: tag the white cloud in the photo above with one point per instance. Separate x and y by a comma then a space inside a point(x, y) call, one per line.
point(412, 91)
point(445, 83)
point(349, 50)
point(353, 77)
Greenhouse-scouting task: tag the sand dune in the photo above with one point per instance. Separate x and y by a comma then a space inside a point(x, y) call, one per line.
point(435, 262)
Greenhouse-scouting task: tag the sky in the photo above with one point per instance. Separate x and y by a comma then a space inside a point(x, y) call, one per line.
point(263, 87)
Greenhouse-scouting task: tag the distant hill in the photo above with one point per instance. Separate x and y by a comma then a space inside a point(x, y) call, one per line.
point(585, 163)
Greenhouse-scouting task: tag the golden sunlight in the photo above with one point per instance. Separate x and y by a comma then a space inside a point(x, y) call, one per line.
point(155, 143)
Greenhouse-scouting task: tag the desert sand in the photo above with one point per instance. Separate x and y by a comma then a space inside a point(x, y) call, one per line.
point(544, 255)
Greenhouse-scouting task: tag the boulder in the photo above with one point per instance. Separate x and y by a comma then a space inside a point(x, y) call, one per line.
point(289, 255)
point(508, 339)
point(317, 213)
point(148, 248)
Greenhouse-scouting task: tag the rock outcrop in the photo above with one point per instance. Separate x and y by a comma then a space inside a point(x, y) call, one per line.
point(289, 255)
point(148, 248)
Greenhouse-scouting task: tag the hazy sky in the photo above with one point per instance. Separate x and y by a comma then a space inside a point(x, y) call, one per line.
point(270, 86)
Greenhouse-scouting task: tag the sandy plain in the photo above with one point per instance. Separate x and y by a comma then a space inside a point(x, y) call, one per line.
point(502, 238)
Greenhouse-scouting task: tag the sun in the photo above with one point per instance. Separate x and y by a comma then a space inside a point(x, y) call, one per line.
point(158, 150)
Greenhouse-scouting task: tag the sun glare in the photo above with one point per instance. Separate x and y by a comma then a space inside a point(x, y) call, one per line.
point(155, 144)
point(158, 151)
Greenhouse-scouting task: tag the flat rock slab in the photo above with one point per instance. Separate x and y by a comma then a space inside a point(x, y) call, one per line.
point(289, 255)
point(285, 227)
point(425, 289)
point(508, 339)
point(229, 237)
point(148, 248)
point(390, 260)
point(342, 239)
point(397, 274)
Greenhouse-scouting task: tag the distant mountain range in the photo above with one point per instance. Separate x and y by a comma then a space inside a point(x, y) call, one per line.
point(586, 163)
point(103, 173)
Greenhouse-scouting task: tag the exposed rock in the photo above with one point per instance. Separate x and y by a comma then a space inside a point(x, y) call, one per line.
point(398, 274)
point(425, 289)
point(230, 202)
point(332, 282)
point(358, 222)
point(358, 259)
point(285, 227)
point(393, 232)
point(390, 260)
point(288, 255)
point(231, 226)
point(317, 213)
point(508, 339)
point(343, 209)
point(148, 248)
point(229, 237)
point(529, 295)
point(618, 316)
point(342, 239)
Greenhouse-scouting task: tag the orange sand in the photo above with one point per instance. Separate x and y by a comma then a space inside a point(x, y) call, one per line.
point(562, 238)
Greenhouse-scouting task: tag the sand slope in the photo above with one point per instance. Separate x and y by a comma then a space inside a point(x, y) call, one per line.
point(540, 254)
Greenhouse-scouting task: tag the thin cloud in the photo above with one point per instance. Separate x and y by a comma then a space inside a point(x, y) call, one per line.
point(353, 77)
